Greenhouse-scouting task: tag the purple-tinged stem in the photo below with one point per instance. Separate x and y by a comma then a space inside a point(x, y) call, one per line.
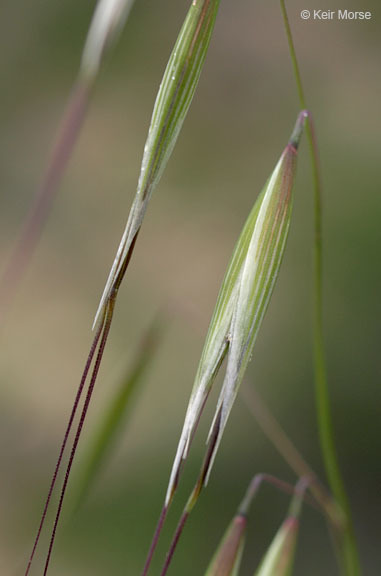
point(278, 437)
point(62, 149)
point(105, 333)
point(194, 496)
point(254, 485)
point(176, 538)
point(165, 509)
point(285, 487)
point(253, 489)
point(300, 490)
point(103, 330)
point(66, 436)
point(155, 540)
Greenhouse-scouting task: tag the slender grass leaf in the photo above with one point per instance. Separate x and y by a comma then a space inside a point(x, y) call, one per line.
point(115, 416)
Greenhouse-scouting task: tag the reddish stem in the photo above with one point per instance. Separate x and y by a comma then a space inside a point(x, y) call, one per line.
point(176, 538)
point(63, 446)
point(155, 539)
point(106, 330)
point(62, 149)
point(165, 509)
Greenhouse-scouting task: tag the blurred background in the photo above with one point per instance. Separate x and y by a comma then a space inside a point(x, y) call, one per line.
point(240, 119)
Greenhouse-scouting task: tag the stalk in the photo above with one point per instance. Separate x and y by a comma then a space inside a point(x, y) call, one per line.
point(245, 505)
point(64, 442)
point(284, 445)
point(172, 104)
point(348, 546)
point(106, 25)
point(195, 494)
point(241, 305)
point(105, 332)
point(62, 149)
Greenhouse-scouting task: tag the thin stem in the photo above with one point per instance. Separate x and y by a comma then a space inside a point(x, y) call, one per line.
point(155, 540)
point(287, 449)
point(105, 333)
point(61, 152)
point(165, 509)
point(195, 494)
point(66, 436)
point(243, 509)
point(324, 416)
point(176, 538)
point(299, 497)
point(285, 487)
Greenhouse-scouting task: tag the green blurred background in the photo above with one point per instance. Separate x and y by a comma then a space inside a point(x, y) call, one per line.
point(241, 117)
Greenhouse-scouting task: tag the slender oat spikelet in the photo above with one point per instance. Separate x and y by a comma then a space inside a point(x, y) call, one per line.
point(242, 302)
point(172, 104)
point(227, 560)
point(279, 558)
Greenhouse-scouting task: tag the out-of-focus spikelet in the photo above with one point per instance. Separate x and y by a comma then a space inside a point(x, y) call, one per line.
point(108, 20)
point(227, 559)
point(278, 560)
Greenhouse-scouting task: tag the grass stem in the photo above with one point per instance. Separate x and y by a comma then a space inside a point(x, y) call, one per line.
point(286, 448)
point(102, 344)
point(176, 538)
point(155, 540)
point(349, 554)
point(30, 235)
point(66, 436)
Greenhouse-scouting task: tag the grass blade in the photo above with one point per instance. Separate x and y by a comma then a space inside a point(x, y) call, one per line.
point(116, 414)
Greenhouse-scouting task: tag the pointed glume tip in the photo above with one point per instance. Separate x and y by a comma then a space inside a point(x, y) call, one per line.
point(298, 129)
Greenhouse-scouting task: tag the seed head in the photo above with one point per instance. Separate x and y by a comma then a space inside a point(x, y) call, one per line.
point(242, 302)
point(172, 104)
